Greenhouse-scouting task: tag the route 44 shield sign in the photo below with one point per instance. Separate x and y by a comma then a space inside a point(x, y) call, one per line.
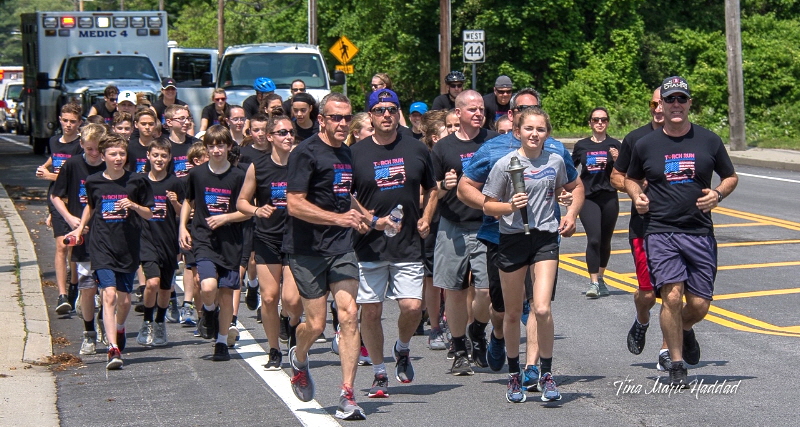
point(474, 46)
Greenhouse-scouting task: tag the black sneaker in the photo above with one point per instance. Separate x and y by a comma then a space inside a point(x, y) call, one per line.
point(72, 296)
point(403, 371)
point(275, 360)
point(691, 349)
point(451, 351)
point(121, 340)
point(63, 306)
point(208, 326)
point(283, 333)
point(380, 387)
point(664, 361)
point(251, 297)
point(221, 352)
point(420, 328)
point(479, 345)
point(334, 316)
point(461, 364)
point(677, 376)
point(258, 316)
point(138, 308)
point(636, 337)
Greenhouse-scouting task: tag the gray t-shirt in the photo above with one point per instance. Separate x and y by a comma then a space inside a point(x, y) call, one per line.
point(542, 176)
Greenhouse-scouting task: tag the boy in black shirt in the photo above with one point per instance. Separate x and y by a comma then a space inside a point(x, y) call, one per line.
point(177, 123)
point(113, 196)
point(146, 123)
point(216, 235)
point(159, 244)
point(69, 199)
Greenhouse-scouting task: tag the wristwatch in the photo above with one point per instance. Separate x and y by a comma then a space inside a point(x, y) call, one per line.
point(374, 221)
point(719, 196)
point(442, 186)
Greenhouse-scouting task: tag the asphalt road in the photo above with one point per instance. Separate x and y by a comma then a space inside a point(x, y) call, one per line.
point(749, 340)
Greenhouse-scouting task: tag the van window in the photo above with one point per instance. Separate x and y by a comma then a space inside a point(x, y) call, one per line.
point(240, 71)
point(13, 91)
point(188, 68)
point(109, 68)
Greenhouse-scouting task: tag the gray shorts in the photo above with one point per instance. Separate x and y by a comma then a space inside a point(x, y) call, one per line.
point(678, 257)
point(315, 274)
point(396, 280)
point(458, 251)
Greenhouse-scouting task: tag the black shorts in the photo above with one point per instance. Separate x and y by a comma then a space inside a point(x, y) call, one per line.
point(520, 250)
point(315, 274)
point(188, 258)
point(495, 288)
point(158, 270)
point(60, 226)
point(268, 253)
point(247, 242)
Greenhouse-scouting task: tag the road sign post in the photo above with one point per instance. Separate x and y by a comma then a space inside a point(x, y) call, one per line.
point(474, 51)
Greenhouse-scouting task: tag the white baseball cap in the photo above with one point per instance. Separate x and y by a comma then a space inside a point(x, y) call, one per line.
point(127, 95)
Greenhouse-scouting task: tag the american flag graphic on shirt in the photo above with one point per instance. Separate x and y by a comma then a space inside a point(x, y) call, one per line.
point(679, 168)
point(342, 179)
point(596, 161)
point(390, 174)
point(111, 210)
point(218, 200)
point(278, 195)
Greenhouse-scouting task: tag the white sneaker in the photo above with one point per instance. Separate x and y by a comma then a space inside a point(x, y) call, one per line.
point(233, 335)
point(88, 344)
point(335, 342)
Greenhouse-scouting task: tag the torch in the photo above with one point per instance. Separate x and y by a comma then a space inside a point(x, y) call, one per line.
point(516, 170)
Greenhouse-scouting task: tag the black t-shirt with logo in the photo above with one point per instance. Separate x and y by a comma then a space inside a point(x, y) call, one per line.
point(114, 240)
point(137, 156)
point(677, 169)
point(636, 224)
point(325, 174)
point(60, 153)
point(453, 153)
point(179, 164)
point(383, 177)
point(493, 110)
point(271, 181)
point(161, 108)
point(596, 164)
point(160, 234)
point(215, 194)
point(104, 112)
point(71, 184)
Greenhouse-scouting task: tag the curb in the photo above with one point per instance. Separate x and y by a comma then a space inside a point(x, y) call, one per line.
point(38, 342)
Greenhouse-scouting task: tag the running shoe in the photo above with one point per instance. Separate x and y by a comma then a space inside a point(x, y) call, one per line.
point(403, 371)
point(478, 348)
point(526, 312)
point(221, 353)
point(173, 315)
point(251, 297)
point(593, 291)
point(188, 315)
point(664, 361)
point(62, 306)
point(159, 334)
point(451, 351)
point(101, 330)
point(691, 348)
point(334, 316)
point(122, 339)
point(77, 305)
point(436, 340)
point(258, 315)
point(348, 408)
point(283, 332)
point(636, 337)
point(302, 383)
point(233, 335)
point(321, 338)
point(530, 378)
point(678, 376)
point(548, 386)
point(380, 386)
point(496, 353)
point(461, 364)
point(420, 328)
point(275, 360)
point(363, 358)
point(209, 326)
point(72, 297)
point(514, 392)
point(88, 345)
point(602, 289)
point(335, 342)
point(146, 333)
point(114, 359)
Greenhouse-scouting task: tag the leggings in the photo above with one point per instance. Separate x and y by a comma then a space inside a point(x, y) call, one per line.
point(599, 217)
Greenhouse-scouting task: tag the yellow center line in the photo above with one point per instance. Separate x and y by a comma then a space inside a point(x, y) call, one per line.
point(719, 245)
point(757, 294)
point(777, 222)
point(760, 265)
point(738, 224)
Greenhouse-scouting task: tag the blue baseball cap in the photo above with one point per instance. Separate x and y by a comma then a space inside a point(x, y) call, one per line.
point(418, 107)
point(382, 95)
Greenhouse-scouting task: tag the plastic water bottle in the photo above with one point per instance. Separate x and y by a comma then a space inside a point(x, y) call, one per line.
point(73, 241)
point(396, 216)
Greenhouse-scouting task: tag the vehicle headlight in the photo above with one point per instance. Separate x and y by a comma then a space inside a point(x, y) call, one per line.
point(12, 111)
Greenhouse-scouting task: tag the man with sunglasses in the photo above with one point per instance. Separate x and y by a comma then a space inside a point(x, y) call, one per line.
point(108, 106)
point(677, 164)
point(298, 86)
point(644, 298)
point(469, 192)
point(455, 85)
point(498, 102)
point(318, 240)
point(390, 169)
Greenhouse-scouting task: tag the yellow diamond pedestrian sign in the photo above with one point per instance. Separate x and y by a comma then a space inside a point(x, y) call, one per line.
point(344, 50)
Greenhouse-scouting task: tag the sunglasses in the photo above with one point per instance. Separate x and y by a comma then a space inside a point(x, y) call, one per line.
point(383, 110)
point(376, 86)
point(599, 119)
point(339, 117)
point(504, 91)
point(653, 105)
point(456, 85)
point(220, 99)
point(298, 90)
point(524, 107)
point(283, 132)
point(112, 99)
point(672, 98)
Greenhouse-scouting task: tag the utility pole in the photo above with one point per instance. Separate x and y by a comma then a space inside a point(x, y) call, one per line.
point(221, 26)
point(733, 33)
point(312, 22)
point(444, 42)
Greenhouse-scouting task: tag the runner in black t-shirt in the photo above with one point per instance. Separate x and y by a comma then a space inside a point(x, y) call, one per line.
point(159, 244)
point(61, 149)
point(145, 122)
point(498, 102)
point(455, 85)
point(596, 156)
point(266, 182)
point(678, 163)
point(113, 197)
point(215, 113)
point(168, 98)
point(318, 239)
point(108, 106)
point(644, 298)
point(390, 171)
point(69, 199)
point(216, 235)
point(303, 111)
point(177, 124)
point(457, 249)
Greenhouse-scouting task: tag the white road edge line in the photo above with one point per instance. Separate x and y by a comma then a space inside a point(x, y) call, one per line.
point(308, 413)
point(768, 177)
point(21, 144)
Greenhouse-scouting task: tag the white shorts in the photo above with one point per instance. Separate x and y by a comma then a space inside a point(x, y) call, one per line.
point(396, 280)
